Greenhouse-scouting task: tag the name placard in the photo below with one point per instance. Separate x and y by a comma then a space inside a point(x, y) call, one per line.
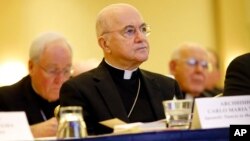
point(14, 126)
point(223, 111)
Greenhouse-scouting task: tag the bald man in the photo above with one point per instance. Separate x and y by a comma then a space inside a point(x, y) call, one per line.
point(189, 66)
point(37, 94)
point(118, 88)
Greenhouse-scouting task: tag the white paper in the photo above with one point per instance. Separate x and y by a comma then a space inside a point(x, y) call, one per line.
point(128, 128)
point(111, 123)
point(141, 127)
point(223, 111)
point(121, 127)
point(14, 126)
point(154, 126)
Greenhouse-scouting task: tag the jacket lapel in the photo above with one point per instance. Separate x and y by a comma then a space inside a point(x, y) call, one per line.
point(154, 93)
point(110, 94)
point(30, 96)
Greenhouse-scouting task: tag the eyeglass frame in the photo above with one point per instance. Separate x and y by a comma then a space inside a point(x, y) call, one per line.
point(56, 72)
point(125, 31)
point(192, 62)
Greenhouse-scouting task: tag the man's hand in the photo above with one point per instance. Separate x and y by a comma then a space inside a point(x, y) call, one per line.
point(45, 129)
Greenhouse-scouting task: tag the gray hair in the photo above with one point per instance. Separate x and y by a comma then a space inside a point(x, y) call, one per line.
point(101, 24)
point(177, 53)
point(39, 43)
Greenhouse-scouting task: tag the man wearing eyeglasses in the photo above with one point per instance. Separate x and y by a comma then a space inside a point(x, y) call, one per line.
point(118, 88)
point(38, 93)
point(189, 66)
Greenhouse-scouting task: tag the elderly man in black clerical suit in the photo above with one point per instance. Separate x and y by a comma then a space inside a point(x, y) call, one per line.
point(189, 66)
point(237, 80)
point(118, 88)
point(38, 93)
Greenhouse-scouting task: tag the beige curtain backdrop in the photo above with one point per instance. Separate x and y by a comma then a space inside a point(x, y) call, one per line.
point(222, 25)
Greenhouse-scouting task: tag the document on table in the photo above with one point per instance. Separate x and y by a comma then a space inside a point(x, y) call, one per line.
point(120, 126)
point(14, 126)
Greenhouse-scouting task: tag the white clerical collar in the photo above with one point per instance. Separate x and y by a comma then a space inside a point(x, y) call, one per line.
point(127, 73)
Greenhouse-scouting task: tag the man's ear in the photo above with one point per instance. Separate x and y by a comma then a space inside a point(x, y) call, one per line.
point(104, 44)
point(30, 66)
point(172, 66)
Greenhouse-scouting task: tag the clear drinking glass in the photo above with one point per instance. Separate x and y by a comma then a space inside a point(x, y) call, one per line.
point(178, 113)
point(71, 123)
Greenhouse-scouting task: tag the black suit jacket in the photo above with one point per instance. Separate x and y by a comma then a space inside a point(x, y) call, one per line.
point(237, 80)
point(21, 97)
point(96, 92)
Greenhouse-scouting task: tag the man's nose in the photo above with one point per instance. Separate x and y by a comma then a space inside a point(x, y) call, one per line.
point(61, 77)
point(200, 68)
point(139, 35)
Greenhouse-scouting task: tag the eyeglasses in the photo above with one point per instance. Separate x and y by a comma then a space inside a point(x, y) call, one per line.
point(192, 62)
point(130, 31)
point(55, 72)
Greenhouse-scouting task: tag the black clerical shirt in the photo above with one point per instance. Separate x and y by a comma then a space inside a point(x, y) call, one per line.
point(127, 89)
point(46, 107)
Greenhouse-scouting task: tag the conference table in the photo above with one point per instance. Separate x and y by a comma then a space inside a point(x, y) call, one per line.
point(218, 134)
